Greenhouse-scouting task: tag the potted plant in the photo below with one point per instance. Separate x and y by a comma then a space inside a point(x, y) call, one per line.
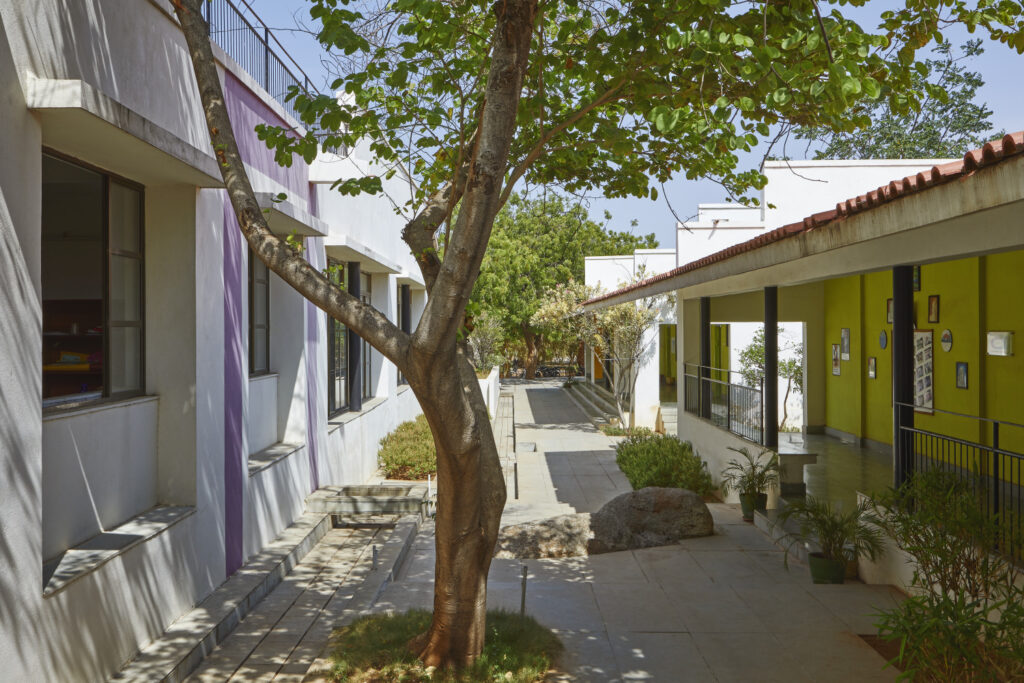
point(840, 537)
point(751, 478)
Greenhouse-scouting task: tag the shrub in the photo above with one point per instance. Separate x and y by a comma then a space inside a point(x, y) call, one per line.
point(375, 648)
point(964, 620)
point(657, 460)
point(408, 452)
point(618, 430)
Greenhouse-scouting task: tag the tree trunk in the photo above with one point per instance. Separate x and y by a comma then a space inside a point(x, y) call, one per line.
point(471, 496)
point(785, 400)
point(534, 342)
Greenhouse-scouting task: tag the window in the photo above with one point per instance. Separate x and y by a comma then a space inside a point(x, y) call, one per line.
point(400, 314)
point(259, 316)
point(337, 351)
point(365, 294)
point(92, 278)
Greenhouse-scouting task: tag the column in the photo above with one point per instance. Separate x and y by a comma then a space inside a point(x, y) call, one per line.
point(770, 428)
point(705, 357)
point(902, 371)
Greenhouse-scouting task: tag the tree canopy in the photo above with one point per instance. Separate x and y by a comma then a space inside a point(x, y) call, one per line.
point(949, 122)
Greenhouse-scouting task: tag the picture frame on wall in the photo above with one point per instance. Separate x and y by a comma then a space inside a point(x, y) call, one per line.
point(844, 339)
point(933, 308)
point(872, 367)
point(888, 311)
point(917, 278)
point(835, 359)
point(924, 369)
point(961, 375)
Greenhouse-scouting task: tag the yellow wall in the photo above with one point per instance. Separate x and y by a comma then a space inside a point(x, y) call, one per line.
point(975, 295)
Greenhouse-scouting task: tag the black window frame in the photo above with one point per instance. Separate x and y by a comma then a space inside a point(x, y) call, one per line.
point(253, 370)
point(366, 295)
point(75, 400)
point(338, 274)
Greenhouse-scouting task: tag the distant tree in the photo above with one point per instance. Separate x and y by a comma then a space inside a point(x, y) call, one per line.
point(537, 243)
point(948, 122)
point(791, 369)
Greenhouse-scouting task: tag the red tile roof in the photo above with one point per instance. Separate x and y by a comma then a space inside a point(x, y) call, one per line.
point(992, 153)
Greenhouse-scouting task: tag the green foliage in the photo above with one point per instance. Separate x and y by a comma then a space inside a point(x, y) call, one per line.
point(755, 474)
point(752, 363)
point(658, 460)
point(408, 452)
point(964, 620)
point(375, 649)
point(838, 534)
point(485, 343)
point(949, 121)
point(618, 430)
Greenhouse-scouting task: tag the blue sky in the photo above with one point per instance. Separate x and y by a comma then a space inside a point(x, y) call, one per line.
point(999, 66)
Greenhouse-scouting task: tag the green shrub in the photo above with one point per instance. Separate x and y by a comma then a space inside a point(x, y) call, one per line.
point(408, 452)
point(375, 648)
point(656, 460)
point(618, 430)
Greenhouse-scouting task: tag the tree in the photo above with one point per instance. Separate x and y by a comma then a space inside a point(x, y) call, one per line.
point(620, 332)
point(949, 121)
point(468, 99)
point(791, 369)
point(536, 243)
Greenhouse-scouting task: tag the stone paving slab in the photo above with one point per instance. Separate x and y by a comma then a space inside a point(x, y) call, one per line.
point(722, 608)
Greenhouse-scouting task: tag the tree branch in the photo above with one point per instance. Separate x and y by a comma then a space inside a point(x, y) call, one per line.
point(365, 320)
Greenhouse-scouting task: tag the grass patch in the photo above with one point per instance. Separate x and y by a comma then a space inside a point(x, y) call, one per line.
point(373, 649)
point(408, 452)
point(618, 430)
point(659, 460)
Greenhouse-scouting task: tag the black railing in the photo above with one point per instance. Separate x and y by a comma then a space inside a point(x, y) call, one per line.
point(996, 473)
point(709, 393)
point(252, 44)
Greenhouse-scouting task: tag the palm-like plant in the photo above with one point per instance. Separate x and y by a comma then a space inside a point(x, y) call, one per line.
point(840, 536)
point(756, 474)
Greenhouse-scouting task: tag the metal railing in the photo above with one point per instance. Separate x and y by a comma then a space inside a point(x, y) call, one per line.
point(708, 392)
point(996, 473)
point(251, 43)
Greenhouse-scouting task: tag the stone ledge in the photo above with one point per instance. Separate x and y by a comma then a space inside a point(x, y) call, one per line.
point(272, 454)
point(87, 557)
point(176, 654)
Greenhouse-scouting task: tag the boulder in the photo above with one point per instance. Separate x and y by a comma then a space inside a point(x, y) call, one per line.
point(562, 536)
point(640, 519)
point(649, 517)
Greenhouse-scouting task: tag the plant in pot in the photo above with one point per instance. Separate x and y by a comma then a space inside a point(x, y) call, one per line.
point(751, 478)
point(840, 536)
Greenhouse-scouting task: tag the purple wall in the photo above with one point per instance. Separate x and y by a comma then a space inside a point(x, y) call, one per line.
point(234, 381)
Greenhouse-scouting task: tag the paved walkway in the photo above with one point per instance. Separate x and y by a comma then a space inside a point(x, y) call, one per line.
point(285, 633)
point(720, 608)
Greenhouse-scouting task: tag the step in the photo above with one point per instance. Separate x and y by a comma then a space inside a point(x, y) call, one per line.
point(594, 412)
point(371, 500)
point(182, 647)
point(600, 397)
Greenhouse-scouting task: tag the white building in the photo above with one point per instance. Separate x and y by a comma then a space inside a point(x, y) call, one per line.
point(166, 405)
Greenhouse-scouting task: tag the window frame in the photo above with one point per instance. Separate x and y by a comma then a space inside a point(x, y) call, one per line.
point(77, 400)
point(253, 372)
point(334, 407)
point(366, 295)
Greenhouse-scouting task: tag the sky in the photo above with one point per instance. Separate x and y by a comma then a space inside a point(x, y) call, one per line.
point(999, 66)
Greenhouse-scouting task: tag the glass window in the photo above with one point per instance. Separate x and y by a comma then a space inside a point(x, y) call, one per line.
point(400, 321)
point(92, 278)
point(259, 316)
point(366, 294)
point(337, 351)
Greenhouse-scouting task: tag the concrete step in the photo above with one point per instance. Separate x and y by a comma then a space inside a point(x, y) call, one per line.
point(600, 397)
point(593, 410)
point(403, 498)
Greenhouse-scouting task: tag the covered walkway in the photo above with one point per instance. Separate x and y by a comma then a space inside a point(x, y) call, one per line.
point(721, 608)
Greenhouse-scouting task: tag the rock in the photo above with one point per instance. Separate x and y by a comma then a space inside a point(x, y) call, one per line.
point(649, 517)
point(640, 519)
point(562, 536)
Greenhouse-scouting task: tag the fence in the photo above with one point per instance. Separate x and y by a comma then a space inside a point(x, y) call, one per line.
point(709, 393)
point(997, 473)
point(250, 42)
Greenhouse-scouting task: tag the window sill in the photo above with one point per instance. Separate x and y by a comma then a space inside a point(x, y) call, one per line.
point(402, 388)
point(96, 405)
point(344, 418)
point(87, 557)
point(262, 376)
point(271, 455)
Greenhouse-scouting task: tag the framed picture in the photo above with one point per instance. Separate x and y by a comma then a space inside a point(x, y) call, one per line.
point(872, 367)
point(933, 308)
point(961, 375)
point(845, 340)
point(946, 340)
point(917, 278)
point(888, 311)
point(835, 359)
point(924, 400)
